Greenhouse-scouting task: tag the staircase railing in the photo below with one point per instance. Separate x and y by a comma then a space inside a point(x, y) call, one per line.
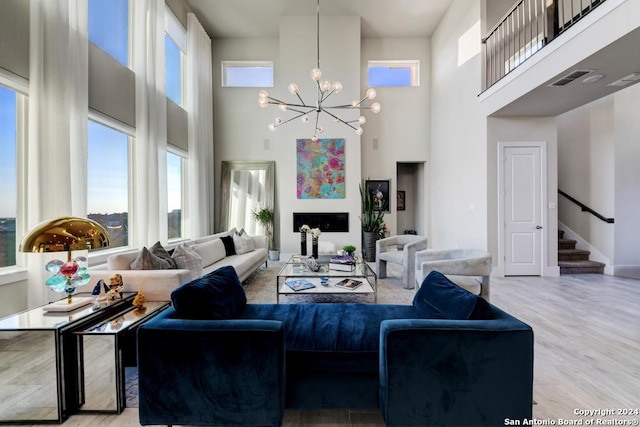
point(525, 29)
point(586, 208)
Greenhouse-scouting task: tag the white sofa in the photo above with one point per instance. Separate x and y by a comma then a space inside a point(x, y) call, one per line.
point(157, 285)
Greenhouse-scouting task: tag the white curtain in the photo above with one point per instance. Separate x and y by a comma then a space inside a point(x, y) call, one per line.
point(199, 103)
point(149, 222)
point(56, 177)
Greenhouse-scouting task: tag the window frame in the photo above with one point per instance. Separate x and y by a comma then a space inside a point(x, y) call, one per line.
point(412, 64)
point(183, 155)
point(100, 257)
point(243, 64)
point(173, 29)
point(19, 85)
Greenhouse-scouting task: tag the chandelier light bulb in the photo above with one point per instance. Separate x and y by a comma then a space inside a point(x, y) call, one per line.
point(354, 104)
point(337, 87)
point(263, 103)
point(362, 120)
point(272, 127)
point(314, 138)
point(305, 119)
point(316, 74)
point(278, 121)
point(359, 131)
point(319, 129)
point(371, 93)
point(293, 88)
point(325, 85)
point(263, 94)
point(375, 107)
point(283, 107)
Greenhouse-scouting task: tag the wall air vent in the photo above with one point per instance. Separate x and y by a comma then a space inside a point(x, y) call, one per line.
point(633, 77)
point(574, 75)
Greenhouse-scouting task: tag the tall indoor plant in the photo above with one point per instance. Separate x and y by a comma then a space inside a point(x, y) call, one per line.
point(264, 216)
point(372, 224)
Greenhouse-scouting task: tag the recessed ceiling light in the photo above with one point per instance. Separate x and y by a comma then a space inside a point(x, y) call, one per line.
point(593, 79)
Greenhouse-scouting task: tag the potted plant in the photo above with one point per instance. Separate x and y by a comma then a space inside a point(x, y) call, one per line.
point(264, 216)
point(349, 249)
point(372, 221)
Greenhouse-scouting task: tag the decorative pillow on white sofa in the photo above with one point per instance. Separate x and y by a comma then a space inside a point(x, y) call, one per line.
point(243, 244)
point(210, 252)
point(148, 261)
point(187, 258)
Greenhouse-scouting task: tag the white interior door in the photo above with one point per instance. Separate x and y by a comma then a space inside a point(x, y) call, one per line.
point(522, 211)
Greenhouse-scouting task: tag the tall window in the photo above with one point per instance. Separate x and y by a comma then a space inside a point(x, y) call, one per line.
point(109, 27)
point(175, 41)
point(8, 177)
point(174, 196)
point(108, 181)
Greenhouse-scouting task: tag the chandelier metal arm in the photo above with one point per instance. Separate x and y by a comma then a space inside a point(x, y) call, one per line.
point(340, 120)
point(301, 113)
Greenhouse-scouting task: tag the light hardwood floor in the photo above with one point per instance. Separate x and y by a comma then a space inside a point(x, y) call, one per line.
point(587, 351)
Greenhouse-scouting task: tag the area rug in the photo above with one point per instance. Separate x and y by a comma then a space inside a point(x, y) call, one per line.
point(260, 288)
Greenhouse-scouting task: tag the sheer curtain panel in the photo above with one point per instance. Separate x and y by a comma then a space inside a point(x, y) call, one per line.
point(150, 146)
point(199, 105)
point(56, 176)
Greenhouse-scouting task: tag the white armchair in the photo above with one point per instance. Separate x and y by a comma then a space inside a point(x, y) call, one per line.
point(464, 267)
point(400, 249)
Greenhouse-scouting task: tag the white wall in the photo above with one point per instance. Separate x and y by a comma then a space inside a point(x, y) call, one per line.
point(401, 131)
point(525, 129)
point(627, 182)
point(586, 171)
point(339, 60)
point(458, 163)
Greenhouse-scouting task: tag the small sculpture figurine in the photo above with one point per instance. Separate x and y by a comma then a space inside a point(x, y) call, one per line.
point(138, 303)
point(312, 264)
point(100, 291)
point(117, 286)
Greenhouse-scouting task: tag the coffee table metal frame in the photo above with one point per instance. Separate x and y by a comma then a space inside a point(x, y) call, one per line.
point(295, 269)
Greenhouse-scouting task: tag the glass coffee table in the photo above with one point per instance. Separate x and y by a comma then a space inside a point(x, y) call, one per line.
point(295, 269)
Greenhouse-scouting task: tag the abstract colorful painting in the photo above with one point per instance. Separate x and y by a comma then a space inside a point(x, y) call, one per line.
point(320, 168)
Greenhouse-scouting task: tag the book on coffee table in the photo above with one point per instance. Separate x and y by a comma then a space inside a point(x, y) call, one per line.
point(349, 284)
point(299, 284)
point(342, 263)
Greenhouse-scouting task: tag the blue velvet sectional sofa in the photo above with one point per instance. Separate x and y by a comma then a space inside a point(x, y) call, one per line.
point(450, 359)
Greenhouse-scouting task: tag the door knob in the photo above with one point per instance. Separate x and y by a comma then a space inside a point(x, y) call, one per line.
point(538, 227)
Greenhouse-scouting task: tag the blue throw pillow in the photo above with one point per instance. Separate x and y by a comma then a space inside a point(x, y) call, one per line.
point(440, 297)
point(217, 295)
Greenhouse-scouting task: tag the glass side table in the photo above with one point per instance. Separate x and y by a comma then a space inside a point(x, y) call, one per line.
point(100, 349)
point(39, 359)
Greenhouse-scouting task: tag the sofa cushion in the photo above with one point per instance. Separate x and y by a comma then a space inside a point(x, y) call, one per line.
point(439, 297)
point(217, 295)
point(188, 259)
point(242, 243)
point(158, 250)
point(210, 251)
point(229, 248)
point(148, 261)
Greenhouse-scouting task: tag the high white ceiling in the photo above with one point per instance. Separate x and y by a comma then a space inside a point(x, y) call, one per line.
point(261, 18)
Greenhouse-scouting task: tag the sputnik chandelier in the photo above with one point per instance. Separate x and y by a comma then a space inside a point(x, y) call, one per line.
point(325, 89)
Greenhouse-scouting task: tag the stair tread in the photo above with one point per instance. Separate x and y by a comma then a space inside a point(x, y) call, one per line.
point(567, 241)
point(580, 263)
point(573, 251)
